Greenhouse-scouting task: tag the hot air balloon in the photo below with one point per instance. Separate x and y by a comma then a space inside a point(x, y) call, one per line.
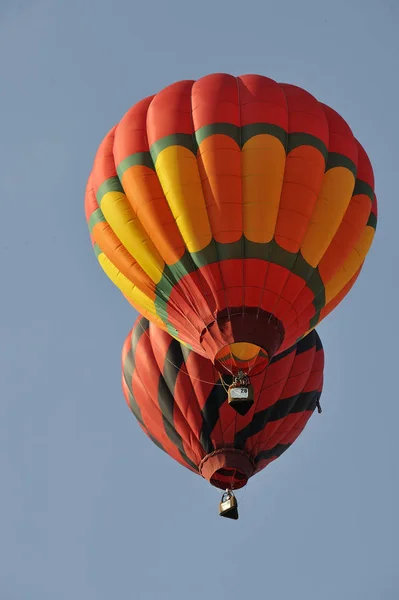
point(181, 402)
point(233, 212)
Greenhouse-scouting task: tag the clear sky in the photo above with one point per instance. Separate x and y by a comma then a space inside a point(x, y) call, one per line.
point(89, 508)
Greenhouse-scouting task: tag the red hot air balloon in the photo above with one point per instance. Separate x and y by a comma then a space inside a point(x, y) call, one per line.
point(234, 212)
point(182, 405)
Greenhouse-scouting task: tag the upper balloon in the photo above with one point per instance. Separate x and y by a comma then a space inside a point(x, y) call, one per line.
point(234, 212)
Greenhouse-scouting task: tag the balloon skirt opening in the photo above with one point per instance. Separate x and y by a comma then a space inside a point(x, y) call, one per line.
point(242, 341)
point(227, 468)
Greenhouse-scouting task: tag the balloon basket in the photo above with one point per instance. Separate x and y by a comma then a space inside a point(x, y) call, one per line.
point(228, 506)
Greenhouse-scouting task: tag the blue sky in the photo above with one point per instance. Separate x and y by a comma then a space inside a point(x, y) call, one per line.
point(90, 509)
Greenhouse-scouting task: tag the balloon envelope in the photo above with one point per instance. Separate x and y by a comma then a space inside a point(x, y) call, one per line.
point(234, 212)
point(179, 401)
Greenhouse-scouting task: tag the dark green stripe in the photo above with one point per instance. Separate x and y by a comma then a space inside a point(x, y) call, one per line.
point(340, 160)
point(240, 135)
point(172, 330)
point(297, 139)
point(274, 452)
point(142, 159)
point(250, 131)
point(156, 442)
point(217, 252)
point(303, 402)
point(166, 388)
point(96, 217)
point(319, 345)
point(110, 185)
point(361, 187)
point(228, 129)
point(211, 413)
point(210, 410)
point(175, 139)
point(97, 250)
point(311, 340)
point(129, 365)
point(134, 407)
point(282, 355)
point(315, 319)
point(372, 221)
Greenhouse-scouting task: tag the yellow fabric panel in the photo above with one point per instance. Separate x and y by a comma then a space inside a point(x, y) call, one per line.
point(330, 208)
point(127, 288)
point(244, 351)
point(351, 265)
point(178, 173)
point(145, 195)
point(111, 246)
point(127, 227)
point(263, 162)
point(219, 163)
